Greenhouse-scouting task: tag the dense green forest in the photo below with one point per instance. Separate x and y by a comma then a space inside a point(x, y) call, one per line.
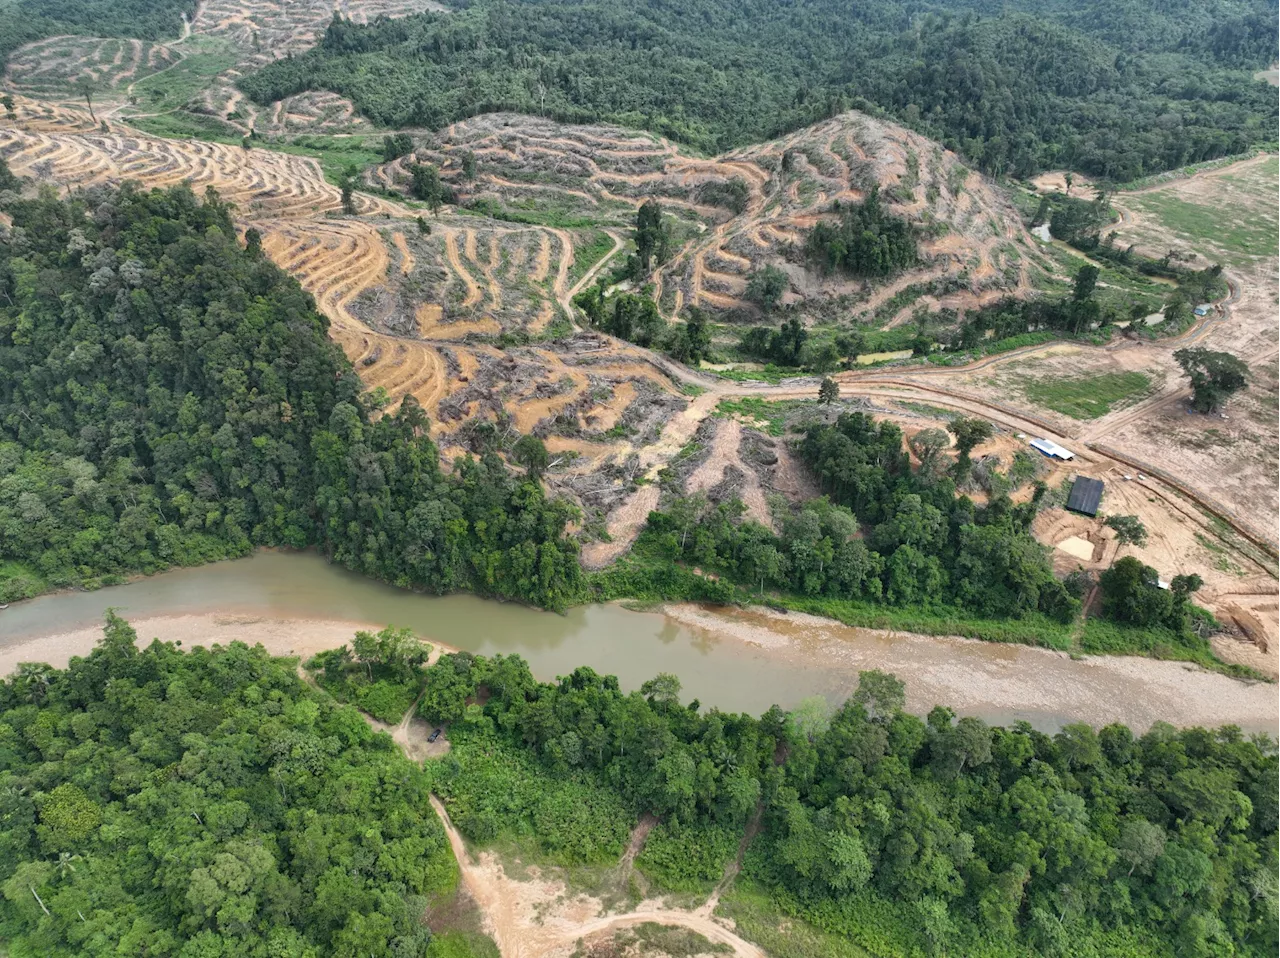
point(206, 805)
point(1117, 91)
point(25, 21)
point(866, 240)
point(169, 397)
point(903, 836)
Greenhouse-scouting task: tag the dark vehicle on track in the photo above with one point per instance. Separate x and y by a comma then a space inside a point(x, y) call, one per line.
point(434, 735)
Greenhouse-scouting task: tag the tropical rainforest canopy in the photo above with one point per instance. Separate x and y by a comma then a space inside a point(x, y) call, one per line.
point(206, 805)
point(1114, 89)
point(907, 836)
point(25, 21)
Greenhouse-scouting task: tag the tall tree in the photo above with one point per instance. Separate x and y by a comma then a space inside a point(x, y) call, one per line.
point(1215, 376)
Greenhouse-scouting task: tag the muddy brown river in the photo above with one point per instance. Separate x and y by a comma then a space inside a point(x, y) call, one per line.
point(737, 660)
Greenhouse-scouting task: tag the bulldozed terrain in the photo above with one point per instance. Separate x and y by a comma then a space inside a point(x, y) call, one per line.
point(472, 315)
point(746, 209)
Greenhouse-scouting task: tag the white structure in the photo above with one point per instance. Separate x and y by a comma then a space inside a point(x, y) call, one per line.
point(1051, 449)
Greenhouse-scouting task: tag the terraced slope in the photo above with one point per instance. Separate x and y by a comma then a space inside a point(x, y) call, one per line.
point(748, 208)
point(407, 308)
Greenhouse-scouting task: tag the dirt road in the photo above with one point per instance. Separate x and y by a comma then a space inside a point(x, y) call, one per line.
point(532, 919)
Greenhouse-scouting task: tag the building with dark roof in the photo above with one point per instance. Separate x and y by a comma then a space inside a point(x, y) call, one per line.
point(1085, 496)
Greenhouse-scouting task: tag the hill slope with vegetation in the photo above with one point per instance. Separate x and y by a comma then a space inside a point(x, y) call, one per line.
point(26, 21)
point(169, 397)
point(1137, 90)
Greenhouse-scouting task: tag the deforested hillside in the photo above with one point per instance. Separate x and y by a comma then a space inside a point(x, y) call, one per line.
point(734, 214)
point(169, 397)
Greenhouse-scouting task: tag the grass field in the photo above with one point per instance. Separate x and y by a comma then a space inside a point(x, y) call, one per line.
point(1236, 218)
point(171, 89)
point(1089, 396)
point(588, 247)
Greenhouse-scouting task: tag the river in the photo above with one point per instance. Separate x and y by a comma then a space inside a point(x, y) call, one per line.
point(737, 660)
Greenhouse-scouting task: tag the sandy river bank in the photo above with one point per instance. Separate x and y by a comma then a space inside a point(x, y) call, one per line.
point(972, 676)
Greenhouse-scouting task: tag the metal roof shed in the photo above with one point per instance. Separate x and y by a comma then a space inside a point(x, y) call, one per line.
point(1051, 449)
point(1086, 496)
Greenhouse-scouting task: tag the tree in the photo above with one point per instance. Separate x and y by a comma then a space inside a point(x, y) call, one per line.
point(765, 287)
point(423, 226)
point(935, 923)
point(253, 243)
point(468, 165)
point(8, 181)
point(810, 718)
point(928, 445)
point(1085, 283)
point(828, 391)
point(788, 342)
point(1131, 593)
point(426, 185)
point(821, 357)
point(662, 689)
point(367, 650)
point(1140, 844)
point(690, 341)
point(1129, 529)
point(531, 452)
point(7, 102)
point(969, 431)
point(347, 185)
point(1215, 376)
point(651, 237)
point(86, 88)
point(1069, 178)
point(881, 695)
point(396, 145)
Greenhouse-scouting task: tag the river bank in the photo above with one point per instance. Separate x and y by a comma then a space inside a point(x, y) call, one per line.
point(300, 637)
point(972, 676)
point(739, 660)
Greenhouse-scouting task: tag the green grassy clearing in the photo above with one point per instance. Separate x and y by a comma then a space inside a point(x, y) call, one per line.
point(1240, 220)
point(589, 246)
point(772, 414)
point(1087, 397)
point(335, 153)
point(170, 89)
point(758, 918)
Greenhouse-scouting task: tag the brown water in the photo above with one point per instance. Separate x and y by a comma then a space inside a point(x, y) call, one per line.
point(734, 660)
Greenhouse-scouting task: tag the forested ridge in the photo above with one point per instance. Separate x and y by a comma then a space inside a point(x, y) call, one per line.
point(901, 835)
point(1114, 90)
point(169, 397)
point(206, 805)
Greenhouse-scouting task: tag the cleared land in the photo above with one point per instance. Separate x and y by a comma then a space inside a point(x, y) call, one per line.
point(474, 321)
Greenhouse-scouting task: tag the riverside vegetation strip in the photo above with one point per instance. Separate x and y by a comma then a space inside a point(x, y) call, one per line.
point(279, 823)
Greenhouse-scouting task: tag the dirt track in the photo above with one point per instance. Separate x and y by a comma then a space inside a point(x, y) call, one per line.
point(531, 919)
